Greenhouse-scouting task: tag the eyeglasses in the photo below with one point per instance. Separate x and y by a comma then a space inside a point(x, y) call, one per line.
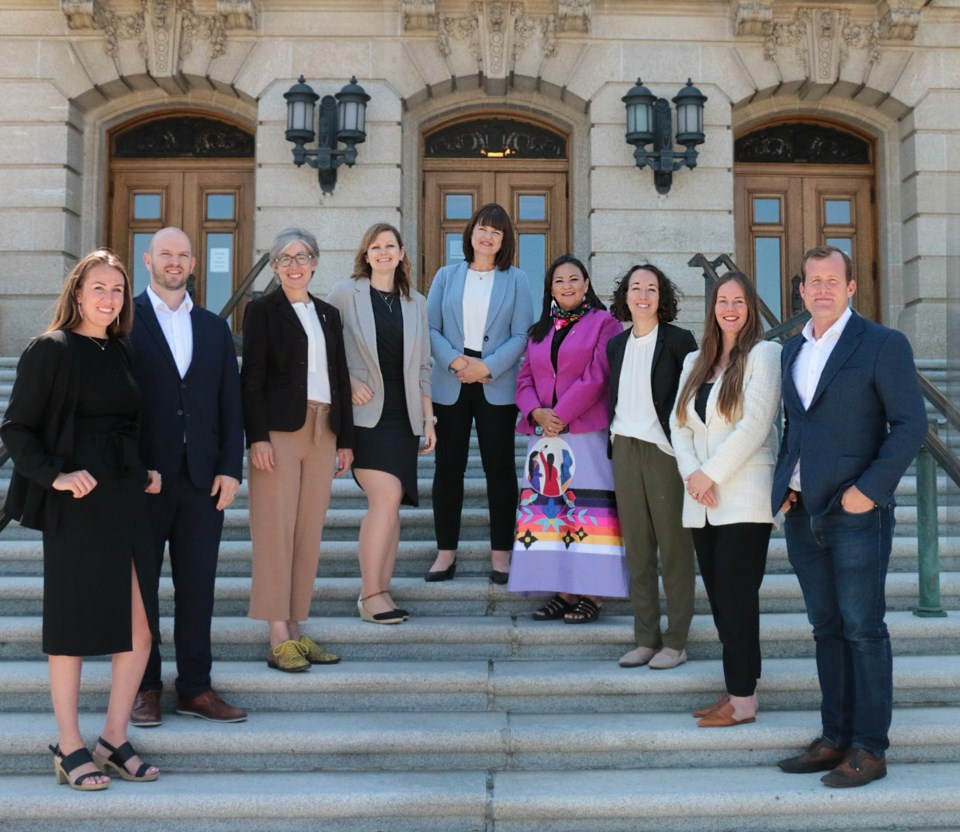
point(285, 260)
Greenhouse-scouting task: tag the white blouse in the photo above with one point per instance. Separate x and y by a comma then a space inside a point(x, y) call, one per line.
point(318, 379)
point(636, 416)
point(476, 304)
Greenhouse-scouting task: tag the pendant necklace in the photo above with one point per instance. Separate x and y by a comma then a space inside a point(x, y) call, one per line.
point(387, 297)
point(102, 346)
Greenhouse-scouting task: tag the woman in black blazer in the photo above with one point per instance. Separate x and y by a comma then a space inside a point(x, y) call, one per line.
point(71, 428)
point(645, 365)
point(299, 424)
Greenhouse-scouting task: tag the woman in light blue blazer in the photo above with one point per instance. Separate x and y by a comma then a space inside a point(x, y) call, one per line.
point(387, 344)
point(479, 312)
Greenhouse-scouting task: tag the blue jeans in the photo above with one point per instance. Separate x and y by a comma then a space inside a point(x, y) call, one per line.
point(841, 562)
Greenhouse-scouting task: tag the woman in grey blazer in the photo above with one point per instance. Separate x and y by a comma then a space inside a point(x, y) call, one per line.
point(387, 344)
point(479, 310)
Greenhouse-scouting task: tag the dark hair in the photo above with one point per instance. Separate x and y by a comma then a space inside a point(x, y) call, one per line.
point(493, 216)
point(362, 268)
point(67, 314)
point(730, 398)
point(670, 296)
point(822, 253)
point(540, 328)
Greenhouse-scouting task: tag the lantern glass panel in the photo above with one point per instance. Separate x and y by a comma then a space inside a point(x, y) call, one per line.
point(300, 115)
point(349, 116)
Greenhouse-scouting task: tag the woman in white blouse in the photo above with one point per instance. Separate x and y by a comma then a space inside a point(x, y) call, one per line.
point(479, 311)
point(725, 442)
point(299, 423)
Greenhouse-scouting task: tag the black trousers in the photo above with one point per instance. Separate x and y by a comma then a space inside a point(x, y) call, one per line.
point(495, 434)
point(732, 561)
point(187, 517)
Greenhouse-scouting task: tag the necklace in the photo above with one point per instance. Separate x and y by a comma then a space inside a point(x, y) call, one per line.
point(387, 297)
point(102, 346)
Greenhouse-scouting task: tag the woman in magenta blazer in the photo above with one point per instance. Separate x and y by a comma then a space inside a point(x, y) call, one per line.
point(568, 533)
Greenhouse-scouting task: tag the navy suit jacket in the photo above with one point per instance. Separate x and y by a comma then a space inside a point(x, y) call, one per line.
point(203, 407)
point(865, 423)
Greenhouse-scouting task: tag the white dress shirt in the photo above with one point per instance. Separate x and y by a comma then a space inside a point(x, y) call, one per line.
point(476, 304)
point(318, 378)
point(176, 327)
point(809, 365)
point(636, 416)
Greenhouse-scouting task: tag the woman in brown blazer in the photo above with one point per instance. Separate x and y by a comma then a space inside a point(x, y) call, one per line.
point(299, 425)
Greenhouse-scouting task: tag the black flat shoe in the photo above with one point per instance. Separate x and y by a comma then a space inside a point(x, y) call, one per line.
point(555, 608)
point(498, 577)
point(443, 574)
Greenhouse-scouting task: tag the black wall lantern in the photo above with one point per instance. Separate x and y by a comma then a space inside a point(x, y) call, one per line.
point(649, 122)
point(341, 121)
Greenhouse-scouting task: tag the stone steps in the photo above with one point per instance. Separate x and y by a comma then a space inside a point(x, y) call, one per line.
point(23, 595)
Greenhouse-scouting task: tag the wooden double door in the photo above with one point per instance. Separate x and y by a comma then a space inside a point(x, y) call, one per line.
point(535, 197)
point(784, 210)
point(210, 199)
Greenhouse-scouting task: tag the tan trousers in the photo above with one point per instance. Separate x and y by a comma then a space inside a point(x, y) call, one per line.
point(650, 504)
point(288, 508)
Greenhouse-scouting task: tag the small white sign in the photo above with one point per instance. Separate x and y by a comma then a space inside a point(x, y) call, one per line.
point(219, 260)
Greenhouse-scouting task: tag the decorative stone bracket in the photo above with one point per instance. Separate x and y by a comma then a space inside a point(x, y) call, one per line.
point(497, 31)
point(893, 20)
point(164, 30)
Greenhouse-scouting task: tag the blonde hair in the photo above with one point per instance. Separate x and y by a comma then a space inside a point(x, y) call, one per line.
point(361, 268)
point(67, 315)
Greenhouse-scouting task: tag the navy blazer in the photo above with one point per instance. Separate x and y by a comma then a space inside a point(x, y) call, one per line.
point(673, 344)
point(202, 408)
point(865, 423)
point(274, 374)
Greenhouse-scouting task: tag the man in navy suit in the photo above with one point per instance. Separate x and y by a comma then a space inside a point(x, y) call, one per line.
point(853, 421)
point(192, 432)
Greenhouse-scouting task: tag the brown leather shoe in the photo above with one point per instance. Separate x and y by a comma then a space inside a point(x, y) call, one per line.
point(145, 712)
point(858, 768)
point(699, 713)
point(210, 706)
point(818, 756)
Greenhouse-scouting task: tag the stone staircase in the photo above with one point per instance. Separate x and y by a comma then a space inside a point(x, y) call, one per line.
point(471, 717)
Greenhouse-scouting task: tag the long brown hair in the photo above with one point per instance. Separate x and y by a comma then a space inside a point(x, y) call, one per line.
point(361, 268)
point(730, 398)
point(67, 314)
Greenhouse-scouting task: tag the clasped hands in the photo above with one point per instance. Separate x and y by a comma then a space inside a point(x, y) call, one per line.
point(552, 424)
point(80, 483)
point(700, 488)
point(470, 370)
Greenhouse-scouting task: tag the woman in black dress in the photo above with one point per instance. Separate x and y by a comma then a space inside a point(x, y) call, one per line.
point(387, 342)
point(71, 428)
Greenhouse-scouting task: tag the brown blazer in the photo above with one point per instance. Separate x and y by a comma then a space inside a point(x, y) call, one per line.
point(274, 373)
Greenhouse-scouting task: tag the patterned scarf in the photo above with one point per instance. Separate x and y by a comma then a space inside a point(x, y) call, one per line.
point(565, 317)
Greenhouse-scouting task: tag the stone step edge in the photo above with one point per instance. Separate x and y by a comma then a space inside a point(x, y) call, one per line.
point(927, 794)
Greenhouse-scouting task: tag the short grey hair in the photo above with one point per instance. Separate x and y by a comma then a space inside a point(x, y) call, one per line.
point(293, 235)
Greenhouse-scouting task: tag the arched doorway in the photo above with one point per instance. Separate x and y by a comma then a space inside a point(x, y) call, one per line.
point(522, 164)
point(801, 184)
point(187, 170)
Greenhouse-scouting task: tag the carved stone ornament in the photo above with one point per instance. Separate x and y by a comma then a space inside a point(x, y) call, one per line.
point(418, 15)
point(753, 18)
point(802, 142)
point(899, 21)
point(821, 40)
point(165, 31)
point(495, 138)
point(497, 32)
point(183, 136)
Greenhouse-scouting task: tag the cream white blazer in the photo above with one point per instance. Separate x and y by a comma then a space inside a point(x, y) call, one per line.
point(738, 457)
point(352, 298)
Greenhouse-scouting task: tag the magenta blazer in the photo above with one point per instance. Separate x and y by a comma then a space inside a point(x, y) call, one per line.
point(581, 381)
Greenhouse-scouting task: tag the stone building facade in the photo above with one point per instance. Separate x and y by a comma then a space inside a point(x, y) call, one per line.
point(823, 121)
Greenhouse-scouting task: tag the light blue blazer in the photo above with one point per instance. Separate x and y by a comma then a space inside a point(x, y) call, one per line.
point(504, 339)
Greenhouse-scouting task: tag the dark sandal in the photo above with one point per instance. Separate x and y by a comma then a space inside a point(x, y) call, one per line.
point(556, 607)
point(117, 761)
point(62, 766)
point(583, 613)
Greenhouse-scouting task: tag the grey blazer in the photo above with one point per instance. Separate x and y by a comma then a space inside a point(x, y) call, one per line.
point(352, 298)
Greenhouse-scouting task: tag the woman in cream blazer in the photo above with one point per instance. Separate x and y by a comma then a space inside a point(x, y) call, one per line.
point(387, 344)
point(725, 442)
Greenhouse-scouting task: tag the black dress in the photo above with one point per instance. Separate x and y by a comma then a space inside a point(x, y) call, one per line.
point(390, 445)
point(87, 556)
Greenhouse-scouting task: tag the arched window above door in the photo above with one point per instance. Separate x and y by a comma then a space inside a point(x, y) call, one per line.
point(495, 138)
point(819, 144)
point(194, 137)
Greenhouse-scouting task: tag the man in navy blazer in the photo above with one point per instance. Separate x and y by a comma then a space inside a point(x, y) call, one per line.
point(192, 432)
point(853, 421)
